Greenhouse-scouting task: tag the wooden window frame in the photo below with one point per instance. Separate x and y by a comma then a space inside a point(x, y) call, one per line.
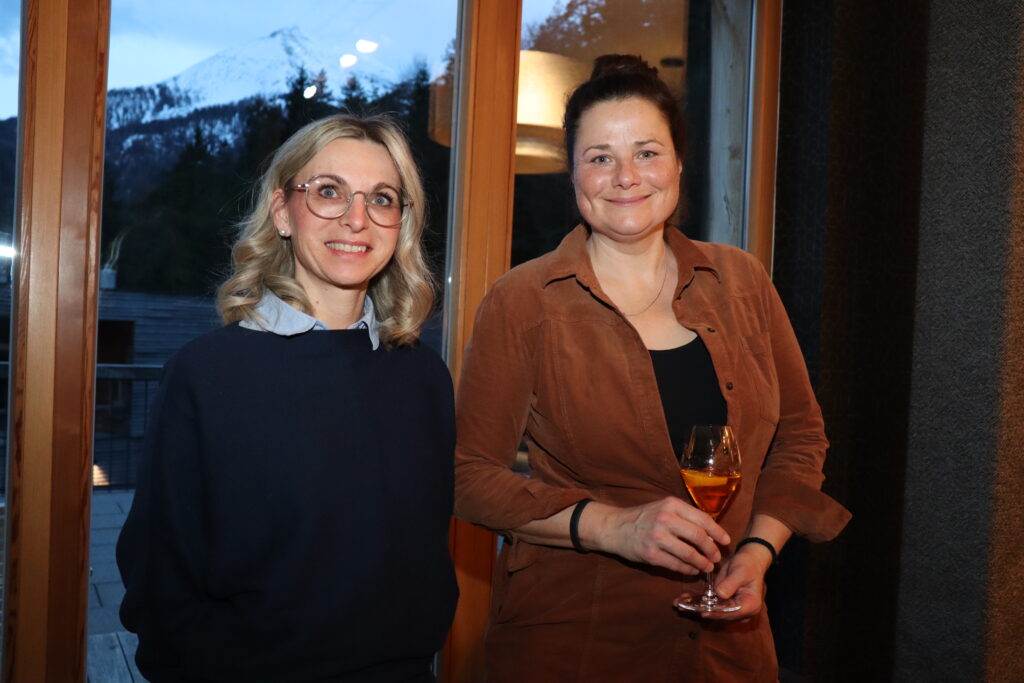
point(61, 129)
point(53, 334)
point(480, 248)
point(764, 125)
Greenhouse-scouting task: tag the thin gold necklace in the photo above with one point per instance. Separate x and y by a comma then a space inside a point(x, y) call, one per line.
point(657, 296)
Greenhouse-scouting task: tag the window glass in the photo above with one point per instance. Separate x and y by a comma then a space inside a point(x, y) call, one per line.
point(200, 93)
point(10, 55)
point(700, 49)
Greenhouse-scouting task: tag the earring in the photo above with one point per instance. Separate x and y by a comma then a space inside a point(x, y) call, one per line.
point(283, 233)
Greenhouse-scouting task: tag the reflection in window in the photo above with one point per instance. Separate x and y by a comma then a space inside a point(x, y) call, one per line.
point(700, 50)
point(194, 108)
point(10, 53)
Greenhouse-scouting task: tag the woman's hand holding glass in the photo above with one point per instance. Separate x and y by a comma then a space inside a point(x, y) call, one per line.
point(667, 533)
point(741, 578)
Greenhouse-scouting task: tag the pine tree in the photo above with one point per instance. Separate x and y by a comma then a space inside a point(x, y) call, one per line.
point(177, 237)
point(263, 131)
point(434, 161)
point(300, 109)
point(354, 98)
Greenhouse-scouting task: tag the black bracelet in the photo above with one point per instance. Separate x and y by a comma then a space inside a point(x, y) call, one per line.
point(759, 541)
point(574, 525)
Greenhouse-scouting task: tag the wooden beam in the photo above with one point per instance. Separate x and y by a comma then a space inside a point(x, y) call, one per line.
point(764, 130)
point(59, 187)
point(481, 244)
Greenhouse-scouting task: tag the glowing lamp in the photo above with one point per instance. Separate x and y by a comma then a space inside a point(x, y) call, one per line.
point(545, 82)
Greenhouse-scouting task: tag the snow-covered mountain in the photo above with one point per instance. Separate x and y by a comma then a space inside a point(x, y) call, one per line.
point(262, 67)
point(148, 126)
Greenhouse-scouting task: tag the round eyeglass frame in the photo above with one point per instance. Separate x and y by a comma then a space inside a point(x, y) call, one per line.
point(404, 201)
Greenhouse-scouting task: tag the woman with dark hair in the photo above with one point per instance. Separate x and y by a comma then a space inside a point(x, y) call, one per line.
point(291, 517)
point(603, 354)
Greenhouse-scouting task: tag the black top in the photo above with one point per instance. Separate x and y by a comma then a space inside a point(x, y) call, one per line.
point(291, 516)
point(689, 390)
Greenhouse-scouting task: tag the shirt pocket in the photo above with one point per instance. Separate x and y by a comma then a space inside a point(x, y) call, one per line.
point(538, 585)
point(760, 366)
point(509, 590)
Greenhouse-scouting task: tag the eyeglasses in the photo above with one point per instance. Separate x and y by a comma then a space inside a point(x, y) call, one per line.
point(329, 196)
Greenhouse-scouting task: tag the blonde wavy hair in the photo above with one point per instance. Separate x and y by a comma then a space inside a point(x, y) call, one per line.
point(402, 293)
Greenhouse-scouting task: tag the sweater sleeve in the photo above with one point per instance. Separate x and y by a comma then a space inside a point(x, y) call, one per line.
point(789, 488)
point(496, 386)
point(161, 549)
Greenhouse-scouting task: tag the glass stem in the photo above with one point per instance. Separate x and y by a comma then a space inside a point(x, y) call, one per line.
point(710, 597)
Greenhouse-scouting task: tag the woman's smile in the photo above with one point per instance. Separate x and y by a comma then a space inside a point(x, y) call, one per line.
point(348, 248)
point(626, 201)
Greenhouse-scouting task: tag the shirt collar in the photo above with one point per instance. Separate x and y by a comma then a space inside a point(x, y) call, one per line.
point(571, 259)
point(276, 316)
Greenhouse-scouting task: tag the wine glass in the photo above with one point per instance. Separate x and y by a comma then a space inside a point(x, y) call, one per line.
point(710, 465)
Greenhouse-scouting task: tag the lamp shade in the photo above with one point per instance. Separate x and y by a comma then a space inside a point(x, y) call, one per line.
point(545, 82)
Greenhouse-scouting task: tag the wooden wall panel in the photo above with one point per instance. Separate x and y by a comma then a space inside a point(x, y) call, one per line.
point(64, 52)
point(764, 130)
point(485, 168)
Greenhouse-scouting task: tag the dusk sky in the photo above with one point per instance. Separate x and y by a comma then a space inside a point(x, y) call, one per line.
point(152, 40)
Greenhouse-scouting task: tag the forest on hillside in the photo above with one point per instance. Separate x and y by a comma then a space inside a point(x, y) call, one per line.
point(172, 233)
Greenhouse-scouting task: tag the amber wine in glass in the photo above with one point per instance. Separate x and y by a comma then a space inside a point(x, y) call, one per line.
point(710, 465)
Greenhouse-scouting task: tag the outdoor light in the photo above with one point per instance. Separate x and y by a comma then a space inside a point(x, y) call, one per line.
point(366, 46)
point(347, 60)
point(309, 92)
point(7, 252)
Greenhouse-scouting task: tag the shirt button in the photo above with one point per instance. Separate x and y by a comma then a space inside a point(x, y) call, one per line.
point(728, 385)
point(693, 635)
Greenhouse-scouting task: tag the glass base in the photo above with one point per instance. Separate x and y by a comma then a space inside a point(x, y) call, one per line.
point(704, 606)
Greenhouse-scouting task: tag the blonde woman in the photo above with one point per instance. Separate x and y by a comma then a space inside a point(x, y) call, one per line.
point(291, 517)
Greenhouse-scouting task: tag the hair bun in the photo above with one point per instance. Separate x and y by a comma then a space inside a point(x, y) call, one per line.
point(632, 65)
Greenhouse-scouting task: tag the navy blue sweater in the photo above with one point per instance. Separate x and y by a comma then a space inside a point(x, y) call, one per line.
point(291, 517)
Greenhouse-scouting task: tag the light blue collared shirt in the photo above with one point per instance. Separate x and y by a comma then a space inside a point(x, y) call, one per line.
point(279, 318)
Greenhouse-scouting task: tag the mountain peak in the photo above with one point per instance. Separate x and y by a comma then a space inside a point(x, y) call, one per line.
point(262, 67)
point(286, 32)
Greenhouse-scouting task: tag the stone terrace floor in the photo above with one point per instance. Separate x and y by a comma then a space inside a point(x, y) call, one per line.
point(111, 650)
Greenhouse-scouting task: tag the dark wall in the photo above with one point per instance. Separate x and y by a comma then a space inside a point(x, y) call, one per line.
point(900, 256)
point(874, 178)
point(800, 203)
point(956, 457)
point(851, 113)
point(800, 200)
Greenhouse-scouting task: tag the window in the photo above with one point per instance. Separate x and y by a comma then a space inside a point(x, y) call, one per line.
point(42, 638)
point(193, 110)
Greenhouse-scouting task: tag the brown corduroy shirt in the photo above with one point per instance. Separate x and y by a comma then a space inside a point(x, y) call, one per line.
point(552, 358)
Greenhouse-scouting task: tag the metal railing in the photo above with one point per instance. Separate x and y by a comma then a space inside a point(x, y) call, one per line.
point(124, 395)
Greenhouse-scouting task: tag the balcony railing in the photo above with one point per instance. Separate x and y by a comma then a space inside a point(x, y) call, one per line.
point(124, 395)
